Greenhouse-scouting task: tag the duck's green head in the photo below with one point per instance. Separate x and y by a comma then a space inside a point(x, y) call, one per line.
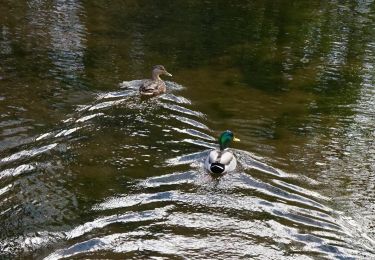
point(226, 138)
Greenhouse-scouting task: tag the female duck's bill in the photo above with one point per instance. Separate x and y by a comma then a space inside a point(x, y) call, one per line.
point(155, 85)
point(222, 160)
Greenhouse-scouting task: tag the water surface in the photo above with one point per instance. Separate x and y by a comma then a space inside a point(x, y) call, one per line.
point(91, 170)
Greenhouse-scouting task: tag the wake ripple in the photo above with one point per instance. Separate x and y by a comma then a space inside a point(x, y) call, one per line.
point(159, 200)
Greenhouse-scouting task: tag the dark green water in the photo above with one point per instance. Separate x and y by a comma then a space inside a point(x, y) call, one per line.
point(89, 170)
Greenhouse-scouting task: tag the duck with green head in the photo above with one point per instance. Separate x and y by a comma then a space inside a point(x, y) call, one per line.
point(222, 160)
point(155, 85)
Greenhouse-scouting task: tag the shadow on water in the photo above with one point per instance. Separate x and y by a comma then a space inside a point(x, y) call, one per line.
point(173, 208)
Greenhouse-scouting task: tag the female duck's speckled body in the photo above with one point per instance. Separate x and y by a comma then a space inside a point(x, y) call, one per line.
point(155, 85)
point(222, 160)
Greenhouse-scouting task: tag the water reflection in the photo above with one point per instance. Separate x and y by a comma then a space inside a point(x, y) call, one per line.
point(68, 39)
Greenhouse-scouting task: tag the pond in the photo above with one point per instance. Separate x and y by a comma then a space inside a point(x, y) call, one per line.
point(91, 170)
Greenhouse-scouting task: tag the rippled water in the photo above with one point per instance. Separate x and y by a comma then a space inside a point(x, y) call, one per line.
point(88, 169)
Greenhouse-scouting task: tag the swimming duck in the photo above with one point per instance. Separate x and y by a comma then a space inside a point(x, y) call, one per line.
point(155, 85)
point(222, 160)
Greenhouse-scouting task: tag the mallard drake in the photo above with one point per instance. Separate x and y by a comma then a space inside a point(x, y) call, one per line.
point(155, 85)
point(222, 160)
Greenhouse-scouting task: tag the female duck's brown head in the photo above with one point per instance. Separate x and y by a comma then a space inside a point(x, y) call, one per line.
point(158, 70)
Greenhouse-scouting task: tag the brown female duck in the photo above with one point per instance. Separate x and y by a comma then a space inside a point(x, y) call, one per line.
point(155, 85)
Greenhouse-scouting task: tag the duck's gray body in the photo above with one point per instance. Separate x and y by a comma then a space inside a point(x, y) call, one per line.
point(220, 161)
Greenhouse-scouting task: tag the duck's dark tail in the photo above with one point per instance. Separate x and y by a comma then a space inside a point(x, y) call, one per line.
point(217, 168)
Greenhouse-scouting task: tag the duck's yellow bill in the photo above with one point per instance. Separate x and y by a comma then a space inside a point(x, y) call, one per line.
point(236, 139)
